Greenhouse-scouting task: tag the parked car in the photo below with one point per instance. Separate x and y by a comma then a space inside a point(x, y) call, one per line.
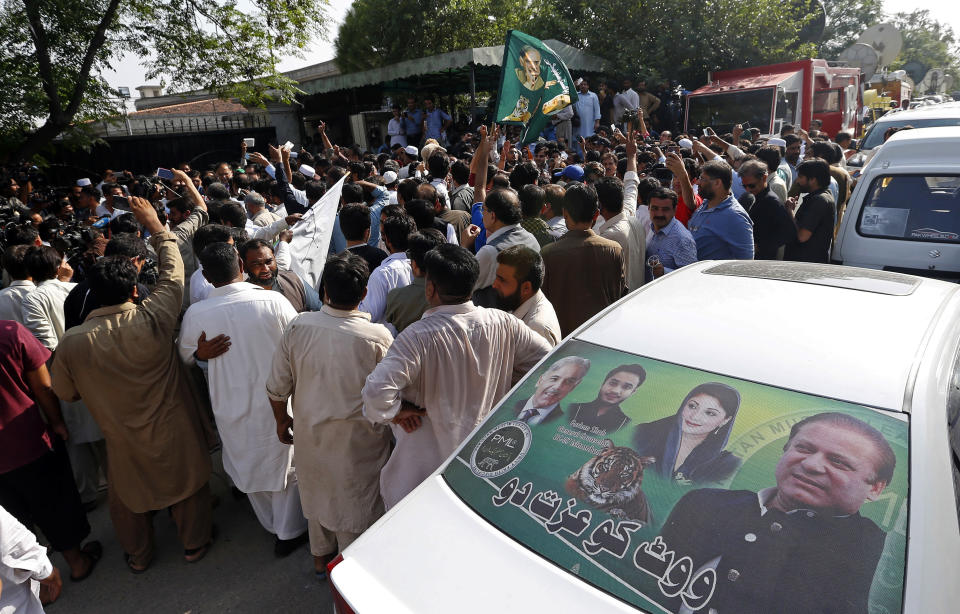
point(649, 490)
point(927, 116)
point(904, 214)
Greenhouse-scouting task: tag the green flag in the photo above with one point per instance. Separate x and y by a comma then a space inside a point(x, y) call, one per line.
point(534, 85)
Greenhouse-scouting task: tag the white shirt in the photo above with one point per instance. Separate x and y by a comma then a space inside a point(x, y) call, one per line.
point(558, 226)
point(199, 286)
point(442, 192)
point(628, 232)
point(102, 210)
point(267, 233)
point(632, 207)
point(393, 272)
point(11, 299)
point(254, 319)
point(43, 311)
point(22, 563)
point(457, 362)
point(487, 258)
point(537, 312)
point(395, 130)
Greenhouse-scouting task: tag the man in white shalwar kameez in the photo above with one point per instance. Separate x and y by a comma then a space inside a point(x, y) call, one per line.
point(322, 361)
point(447, 370)
point(237, 328)
point(24, 568)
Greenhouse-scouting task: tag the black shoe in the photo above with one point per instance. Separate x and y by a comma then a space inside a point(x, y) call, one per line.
point(283, 547)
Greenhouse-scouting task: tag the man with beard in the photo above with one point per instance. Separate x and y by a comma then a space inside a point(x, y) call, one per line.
point(552, 387)
point(721, 227)
point(517, 287)
point(671, 243)
point(792, 155)
point(260, 265)
point(649, 103)
point(603, 415)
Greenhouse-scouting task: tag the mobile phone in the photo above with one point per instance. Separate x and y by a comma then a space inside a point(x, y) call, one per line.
point(121, 202)
point(249, 142)
point(745, 126)
point(164, 173)
point(246, 156)
point(288, 146)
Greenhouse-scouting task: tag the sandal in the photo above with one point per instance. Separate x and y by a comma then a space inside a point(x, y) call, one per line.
point(133, 568)
point(94, 552)
point(192, 555)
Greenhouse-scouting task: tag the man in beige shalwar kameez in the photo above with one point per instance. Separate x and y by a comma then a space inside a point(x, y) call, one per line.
point(124, 364)
point(322, 361)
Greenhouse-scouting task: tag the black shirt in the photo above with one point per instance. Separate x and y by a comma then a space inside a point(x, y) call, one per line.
point(817, 214)
point(373, 255)
point(772, 226)
point(82, 300)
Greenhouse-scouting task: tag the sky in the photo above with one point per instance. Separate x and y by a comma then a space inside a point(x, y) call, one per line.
point(130, 74)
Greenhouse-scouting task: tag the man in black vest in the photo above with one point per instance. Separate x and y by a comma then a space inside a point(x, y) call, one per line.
point(501, 218)
point(261, 269)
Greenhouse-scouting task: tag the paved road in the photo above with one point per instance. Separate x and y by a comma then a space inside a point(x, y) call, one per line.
point(239, 574)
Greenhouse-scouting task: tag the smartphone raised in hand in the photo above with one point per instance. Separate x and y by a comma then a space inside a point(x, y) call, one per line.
point(164, 173)
point(121, 202)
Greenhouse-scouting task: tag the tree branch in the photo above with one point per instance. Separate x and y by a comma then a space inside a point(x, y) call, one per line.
point(83, 75)
point(39, 36)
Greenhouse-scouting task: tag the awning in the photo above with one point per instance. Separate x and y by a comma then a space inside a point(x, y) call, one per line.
point(724, 86)
point(445, 64)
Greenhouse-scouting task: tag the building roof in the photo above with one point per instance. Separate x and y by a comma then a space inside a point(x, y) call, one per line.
point(442, 65)
point(212, 106)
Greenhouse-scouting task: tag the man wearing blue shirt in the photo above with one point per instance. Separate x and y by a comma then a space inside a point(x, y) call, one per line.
point(721, 227)
point(671, 243)
point(435, 121)
point(413, 122)
point(588, 110)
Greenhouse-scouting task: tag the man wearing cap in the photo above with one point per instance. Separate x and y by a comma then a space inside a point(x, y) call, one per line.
point(409, 155)
point(572, 173)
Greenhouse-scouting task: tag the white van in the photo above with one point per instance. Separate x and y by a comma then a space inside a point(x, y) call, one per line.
point(926, 116)
point(904, 214)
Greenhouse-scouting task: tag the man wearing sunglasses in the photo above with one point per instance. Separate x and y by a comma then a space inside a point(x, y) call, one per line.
point(772, 227)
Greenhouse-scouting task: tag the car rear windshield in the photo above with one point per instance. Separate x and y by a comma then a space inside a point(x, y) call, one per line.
point(875, 135)
point(680, 490)
point(912, 207)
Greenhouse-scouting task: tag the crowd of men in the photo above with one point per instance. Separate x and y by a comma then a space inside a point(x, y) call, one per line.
point(148, 322)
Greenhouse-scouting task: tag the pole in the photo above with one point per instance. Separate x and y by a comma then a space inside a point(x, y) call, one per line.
point(473, 89)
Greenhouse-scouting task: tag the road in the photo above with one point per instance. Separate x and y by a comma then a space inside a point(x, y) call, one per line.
point(239, 574)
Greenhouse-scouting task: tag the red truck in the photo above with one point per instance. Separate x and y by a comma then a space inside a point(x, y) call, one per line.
point(770, 96)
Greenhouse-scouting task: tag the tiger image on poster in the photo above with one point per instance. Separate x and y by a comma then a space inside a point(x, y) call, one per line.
point(521, 112)
point(611, 482)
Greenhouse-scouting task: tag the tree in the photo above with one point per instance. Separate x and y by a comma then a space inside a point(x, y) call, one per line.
point(53, 54)
point(377, 33)
point(681, 39)
point(846, 20)
point(927, 41)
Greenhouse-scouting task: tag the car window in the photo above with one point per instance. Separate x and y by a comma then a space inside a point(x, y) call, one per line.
point(827, 101)
point(680, 490)
point(874, 136)
point(912, 207)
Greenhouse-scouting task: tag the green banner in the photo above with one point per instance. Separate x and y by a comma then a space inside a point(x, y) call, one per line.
point(534, 85)
point(679, 490)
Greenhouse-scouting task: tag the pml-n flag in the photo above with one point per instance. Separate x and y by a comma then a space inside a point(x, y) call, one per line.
point(534, 85)
point(311, 235)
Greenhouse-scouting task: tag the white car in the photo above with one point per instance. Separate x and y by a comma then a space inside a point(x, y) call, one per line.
point(926, 116)
point(904, 214)
point(748, 437)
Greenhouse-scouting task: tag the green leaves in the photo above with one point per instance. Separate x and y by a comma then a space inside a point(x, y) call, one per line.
point(217, 45)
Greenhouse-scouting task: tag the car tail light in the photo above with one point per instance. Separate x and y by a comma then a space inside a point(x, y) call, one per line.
point(339, 603)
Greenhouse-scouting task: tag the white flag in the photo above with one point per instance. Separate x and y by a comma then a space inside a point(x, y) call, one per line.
point(311, 235)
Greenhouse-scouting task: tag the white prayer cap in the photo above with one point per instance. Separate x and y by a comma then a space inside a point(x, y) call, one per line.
point(411, 150)
point(307, 171)
point(83, 182)
point(389, 177)
point(777, 142)
point(685, 143)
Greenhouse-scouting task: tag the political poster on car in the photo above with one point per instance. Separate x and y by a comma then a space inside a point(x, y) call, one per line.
point(679, 490)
